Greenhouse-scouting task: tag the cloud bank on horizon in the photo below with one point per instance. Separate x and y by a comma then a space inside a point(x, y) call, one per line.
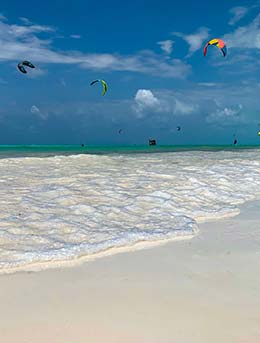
point(165, 83)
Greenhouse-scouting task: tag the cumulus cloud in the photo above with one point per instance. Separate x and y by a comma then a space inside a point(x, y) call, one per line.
point(226, 115)
point(210, 104)
point(166, 46)
point(183, 108)
point(24, 40)
point(194, 40)
point(199, 103)
point(164, 104)
point(209, 107)
point(145, 100)
point(237, 13)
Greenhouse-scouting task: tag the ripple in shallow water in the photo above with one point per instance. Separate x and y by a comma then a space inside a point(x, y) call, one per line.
point(61, 208)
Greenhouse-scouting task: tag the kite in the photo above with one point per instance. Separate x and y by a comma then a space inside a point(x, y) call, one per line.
point(103, 83)
point(218, 43)
point(21, 65)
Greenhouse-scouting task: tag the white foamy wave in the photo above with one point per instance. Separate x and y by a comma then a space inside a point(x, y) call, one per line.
point(62, 208)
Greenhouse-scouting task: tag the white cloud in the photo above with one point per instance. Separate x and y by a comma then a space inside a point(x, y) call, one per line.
point(183, 108)
point(143, 62)
point(145, 100)
point(37, 72)
point(166, 46)
point(245, 60)
point(245, 36)
point(164, 103)
point(25, 21)
point(162, 115)
point(195, 40)
point(208, 104)
point(238, 13)
point(226, 115)
point(75, 36)
point(23, 40)
point(207, 84)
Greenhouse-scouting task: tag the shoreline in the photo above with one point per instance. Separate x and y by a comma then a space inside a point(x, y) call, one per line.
point(199, 290)
point(65, 210)
point(140, 245)
point(78, 261)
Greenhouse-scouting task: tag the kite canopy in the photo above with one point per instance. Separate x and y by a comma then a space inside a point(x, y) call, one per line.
point(218, 43)
point(178, 128)
point(103, 83)
point(21, 65)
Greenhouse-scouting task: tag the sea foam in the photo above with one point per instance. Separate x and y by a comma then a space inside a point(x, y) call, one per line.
point(62, 208)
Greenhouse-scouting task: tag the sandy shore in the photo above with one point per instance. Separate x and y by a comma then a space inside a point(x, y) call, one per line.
point(202, 290)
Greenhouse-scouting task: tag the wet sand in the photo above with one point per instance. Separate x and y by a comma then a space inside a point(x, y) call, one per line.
point(202, 290)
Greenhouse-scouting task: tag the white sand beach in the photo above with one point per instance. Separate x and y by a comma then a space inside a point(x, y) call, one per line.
point(202, 290)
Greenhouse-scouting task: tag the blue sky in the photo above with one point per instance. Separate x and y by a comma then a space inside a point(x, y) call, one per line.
point(151, 55)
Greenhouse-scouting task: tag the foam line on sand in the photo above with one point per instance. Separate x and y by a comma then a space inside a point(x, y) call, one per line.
point(202, 290)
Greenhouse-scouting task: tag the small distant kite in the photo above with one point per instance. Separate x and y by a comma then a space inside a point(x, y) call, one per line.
point(21, 65)
point(120, 131)
point(234, 139)
point(219, 43)
point(103, 83)
point(178, 128)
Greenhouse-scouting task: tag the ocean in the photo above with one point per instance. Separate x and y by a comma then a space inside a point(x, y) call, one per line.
point(66, 203)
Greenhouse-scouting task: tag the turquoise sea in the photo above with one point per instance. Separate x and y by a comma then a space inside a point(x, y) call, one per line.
point(52, 150)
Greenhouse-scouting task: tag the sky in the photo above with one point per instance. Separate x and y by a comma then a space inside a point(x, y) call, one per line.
point(151, 55)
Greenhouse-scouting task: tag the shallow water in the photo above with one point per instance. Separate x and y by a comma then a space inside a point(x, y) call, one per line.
point(64, 207)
